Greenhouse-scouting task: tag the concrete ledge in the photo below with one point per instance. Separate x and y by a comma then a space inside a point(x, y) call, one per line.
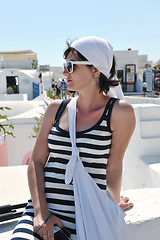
point(144, 218)
point(146, 205)
point(19, 107)
point(142, 100)
point(13, 97)
point(148, 230)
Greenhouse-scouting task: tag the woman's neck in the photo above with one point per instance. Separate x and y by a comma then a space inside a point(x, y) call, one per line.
point(90, 102)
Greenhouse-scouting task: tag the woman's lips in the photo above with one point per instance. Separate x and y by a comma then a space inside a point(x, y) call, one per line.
point(69, 80)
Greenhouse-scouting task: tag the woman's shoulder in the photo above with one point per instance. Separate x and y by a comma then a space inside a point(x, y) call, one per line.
point(122, 106)
point(52, 109)
point(122, 113)
point(53, 106)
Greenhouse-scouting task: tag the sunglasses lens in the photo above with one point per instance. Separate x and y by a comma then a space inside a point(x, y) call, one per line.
point(69, 67)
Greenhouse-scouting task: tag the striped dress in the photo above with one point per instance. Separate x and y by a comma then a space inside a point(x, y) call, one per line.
point(94, 145)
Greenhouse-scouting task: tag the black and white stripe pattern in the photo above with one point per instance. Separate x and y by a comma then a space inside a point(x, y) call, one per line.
point(94, 145)
point(24, 229)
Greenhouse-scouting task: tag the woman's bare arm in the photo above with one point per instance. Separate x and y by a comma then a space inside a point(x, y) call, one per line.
point(36, 166)
point(122, 125)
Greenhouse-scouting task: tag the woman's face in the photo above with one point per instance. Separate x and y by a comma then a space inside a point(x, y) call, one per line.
point(82, 76)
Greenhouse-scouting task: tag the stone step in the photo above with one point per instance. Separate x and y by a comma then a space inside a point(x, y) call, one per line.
point(153, 163)
point(149, 112)
point(150, 128)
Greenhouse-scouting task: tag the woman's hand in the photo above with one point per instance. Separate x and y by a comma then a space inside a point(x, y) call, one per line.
point(125, 204)
point(46, 230)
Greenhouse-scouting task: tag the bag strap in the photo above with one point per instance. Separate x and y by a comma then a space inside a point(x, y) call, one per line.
point(61, 109)
point(70, 168)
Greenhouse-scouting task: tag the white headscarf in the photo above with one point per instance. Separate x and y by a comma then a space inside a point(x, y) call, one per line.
point(99, 52)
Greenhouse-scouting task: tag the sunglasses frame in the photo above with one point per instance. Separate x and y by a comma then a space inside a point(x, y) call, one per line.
point(75, 62)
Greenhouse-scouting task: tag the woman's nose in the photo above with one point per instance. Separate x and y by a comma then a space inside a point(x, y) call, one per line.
point(65, 72)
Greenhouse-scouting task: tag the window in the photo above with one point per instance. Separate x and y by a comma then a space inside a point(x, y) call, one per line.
point(13, 84)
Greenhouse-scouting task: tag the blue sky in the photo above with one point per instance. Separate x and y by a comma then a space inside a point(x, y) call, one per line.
point(44, 26)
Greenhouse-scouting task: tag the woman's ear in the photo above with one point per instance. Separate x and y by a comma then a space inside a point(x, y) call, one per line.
point(96, 72)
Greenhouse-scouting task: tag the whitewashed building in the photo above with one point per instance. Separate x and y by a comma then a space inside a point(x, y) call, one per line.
point(130, 68)
point(19, 79)
point(18, 59)
point(50, 74)
point(17, 83)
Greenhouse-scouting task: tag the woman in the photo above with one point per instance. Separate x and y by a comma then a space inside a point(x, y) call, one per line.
point(104, 127)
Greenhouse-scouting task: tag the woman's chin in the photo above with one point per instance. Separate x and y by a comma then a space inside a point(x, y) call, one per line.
point(70, 89)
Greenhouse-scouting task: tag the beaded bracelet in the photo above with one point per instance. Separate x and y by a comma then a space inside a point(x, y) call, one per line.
point(43, 223)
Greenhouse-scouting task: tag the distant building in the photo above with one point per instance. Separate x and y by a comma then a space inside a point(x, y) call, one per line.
point(18, 59)
point(130, 68)
point(18, 75)
point(17, 81)
point(156, 80)
point(50, 74)
point(156, 64)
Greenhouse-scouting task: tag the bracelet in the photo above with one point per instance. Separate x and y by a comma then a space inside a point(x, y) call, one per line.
point(43, 223)
point(48, 218)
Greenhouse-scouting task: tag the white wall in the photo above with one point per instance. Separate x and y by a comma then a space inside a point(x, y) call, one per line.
point(13, 97)
point(26, 79)
point(21, 117)
point(21, 63)
point(142, 60)
point(46, 80)
point(126, 57)
point(143, 153)
point(57, 72)
point(19, 107)
point(21, 144)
